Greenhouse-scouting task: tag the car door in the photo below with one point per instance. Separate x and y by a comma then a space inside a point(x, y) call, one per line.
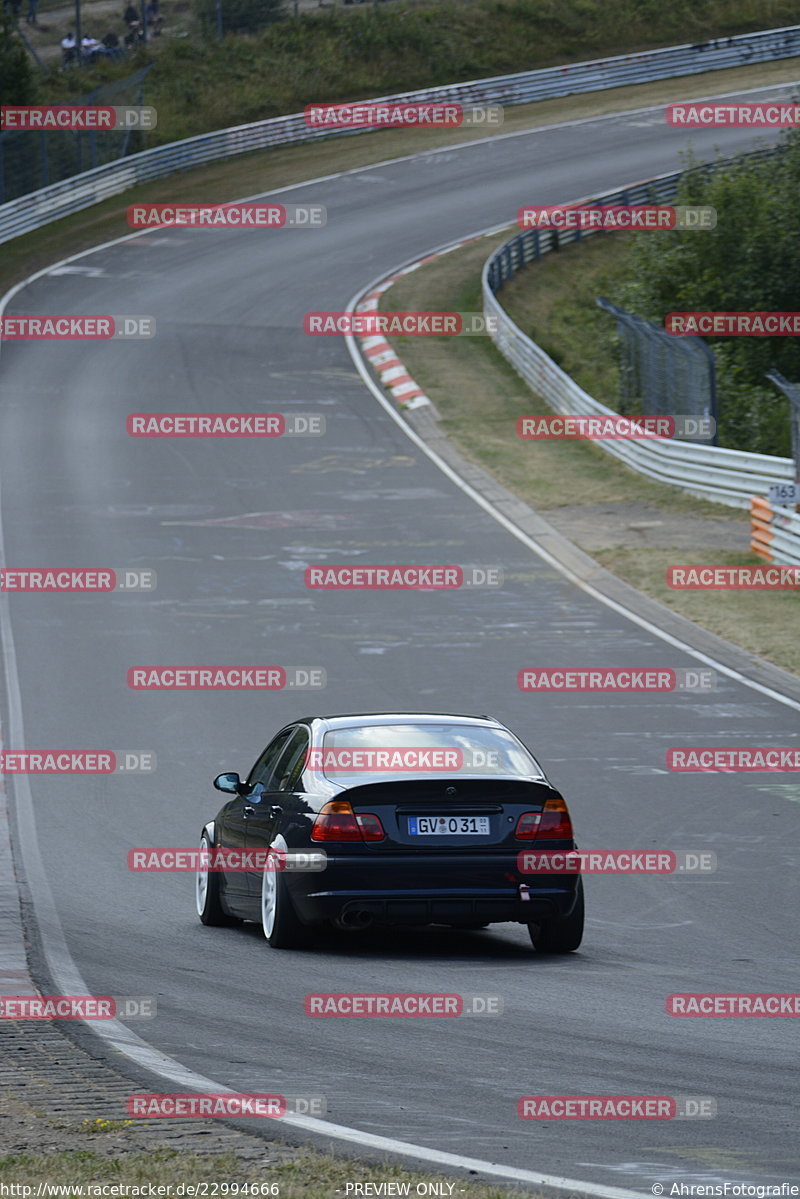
point(231, 833)
point(278, 799)
point(255, 810)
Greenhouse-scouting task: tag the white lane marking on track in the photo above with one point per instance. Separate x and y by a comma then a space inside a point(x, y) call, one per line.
point(64, 971)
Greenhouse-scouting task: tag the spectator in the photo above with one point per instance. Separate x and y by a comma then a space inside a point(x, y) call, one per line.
point(68, 49)
point(111, 43)
point(31, 17)
point(91, 48)
point(131, 17)
point(153, 17)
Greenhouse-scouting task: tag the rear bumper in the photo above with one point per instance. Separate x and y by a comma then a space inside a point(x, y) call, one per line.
point(399, 889)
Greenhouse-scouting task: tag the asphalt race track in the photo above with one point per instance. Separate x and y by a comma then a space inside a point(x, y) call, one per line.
point(77, 491)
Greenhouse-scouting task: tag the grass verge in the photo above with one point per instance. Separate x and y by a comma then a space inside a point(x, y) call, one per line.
point(74, 1154)
point(310, 1176)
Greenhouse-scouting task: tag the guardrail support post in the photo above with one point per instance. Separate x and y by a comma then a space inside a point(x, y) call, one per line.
point(792, 393)
point(43, 158)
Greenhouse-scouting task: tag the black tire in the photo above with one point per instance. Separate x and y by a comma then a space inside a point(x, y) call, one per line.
point(562, 935)
point(282, 926)
point(208, 903)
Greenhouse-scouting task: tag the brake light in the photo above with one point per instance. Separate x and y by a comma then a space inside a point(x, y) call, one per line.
point(555, 822)
point(338, 822)
point(528, 826)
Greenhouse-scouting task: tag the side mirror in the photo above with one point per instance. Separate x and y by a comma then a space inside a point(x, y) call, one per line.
point(229, 783)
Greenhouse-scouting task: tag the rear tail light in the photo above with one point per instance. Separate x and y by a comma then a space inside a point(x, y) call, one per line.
point(555, 822)
point(528, 826)
point(338, 822)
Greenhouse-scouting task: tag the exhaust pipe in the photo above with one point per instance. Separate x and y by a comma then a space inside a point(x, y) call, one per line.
point(355, 918)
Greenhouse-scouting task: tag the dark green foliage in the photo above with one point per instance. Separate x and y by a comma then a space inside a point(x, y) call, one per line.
point(17, 84)
point(238, 16)
point(749, 263)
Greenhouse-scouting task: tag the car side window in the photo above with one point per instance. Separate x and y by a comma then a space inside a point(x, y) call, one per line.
point(289, 766)
point(265, 764)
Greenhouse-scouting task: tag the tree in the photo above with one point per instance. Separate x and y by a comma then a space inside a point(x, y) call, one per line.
point(17, 83)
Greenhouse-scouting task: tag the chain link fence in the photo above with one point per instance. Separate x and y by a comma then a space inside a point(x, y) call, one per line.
point(29, 161)
point(661, 375)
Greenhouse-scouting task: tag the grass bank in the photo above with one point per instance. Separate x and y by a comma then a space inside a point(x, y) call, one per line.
point(200, 84)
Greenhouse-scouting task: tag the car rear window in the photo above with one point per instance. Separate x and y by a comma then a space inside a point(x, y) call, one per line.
point(422, 750)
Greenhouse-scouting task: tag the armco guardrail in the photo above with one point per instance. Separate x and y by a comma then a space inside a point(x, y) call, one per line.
point(775, 532)
point(71, 195)
point(728, 476)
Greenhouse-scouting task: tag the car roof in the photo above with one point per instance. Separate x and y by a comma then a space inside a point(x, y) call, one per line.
point(355, 719)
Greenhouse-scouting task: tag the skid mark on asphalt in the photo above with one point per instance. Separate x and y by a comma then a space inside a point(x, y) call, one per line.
point(790, 791)
point(89, 272)
point(338, 462)
point(271, 520)
point(658, 1171)
point(397, 494)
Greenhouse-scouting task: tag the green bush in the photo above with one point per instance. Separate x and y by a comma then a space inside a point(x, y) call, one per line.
point(749, 263)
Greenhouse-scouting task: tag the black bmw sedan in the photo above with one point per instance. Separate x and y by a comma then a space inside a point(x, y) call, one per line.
point(389, 819)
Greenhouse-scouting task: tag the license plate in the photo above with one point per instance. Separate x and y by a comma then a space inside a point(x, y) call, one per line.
point(448, 826)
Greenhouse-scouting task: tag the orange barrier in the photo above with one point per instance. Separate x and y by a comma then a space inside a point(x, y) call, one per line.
point(762, 534)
